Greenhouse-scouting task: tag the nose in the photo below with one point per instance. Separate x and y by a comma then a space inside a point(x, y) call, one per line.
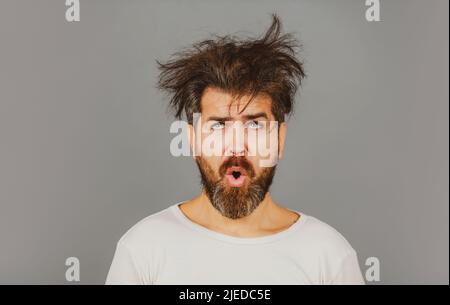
point(235, 140)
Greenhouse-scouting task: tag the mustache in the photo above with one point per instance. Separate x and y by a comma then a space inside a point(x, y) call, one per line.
point(237, 161)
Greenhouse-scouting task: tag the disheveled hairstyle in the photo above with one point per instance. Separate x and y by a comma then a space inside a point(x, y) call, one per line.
point(251, 66)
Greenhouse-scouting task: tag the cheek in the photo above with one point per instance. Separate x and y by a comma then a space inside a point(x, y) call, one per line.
point(263, 148)
point(213, 163)
point(255, 162)
point(252, 143)
point(213, 144)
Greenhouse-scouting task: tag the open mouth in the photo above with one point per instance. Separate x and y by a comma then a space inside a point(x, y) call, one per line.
point(236, 176)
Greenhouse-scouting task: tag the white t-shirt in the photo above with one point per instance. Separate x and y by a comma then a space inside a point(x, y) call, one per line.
point(168, 248)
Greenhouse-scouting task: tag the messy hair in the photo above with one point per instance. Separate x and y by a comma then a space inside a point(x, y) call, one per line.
point(251, 66)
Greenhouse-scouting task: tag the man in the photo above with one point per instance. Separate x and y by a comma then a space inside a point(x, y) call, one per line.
point(232, 92)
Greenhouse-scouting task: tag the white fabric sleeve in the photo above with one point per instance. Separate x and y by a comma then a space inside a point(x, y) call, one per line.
point(349, 272)
point(123, 268)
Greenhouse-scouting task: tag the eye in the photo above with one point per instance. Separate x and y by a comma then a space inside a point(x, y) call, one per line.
point(217, 126)
point(254, 125)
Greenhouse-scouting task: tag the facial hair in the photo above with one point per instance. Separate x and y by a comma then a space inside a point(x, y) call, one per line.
point(235, 202)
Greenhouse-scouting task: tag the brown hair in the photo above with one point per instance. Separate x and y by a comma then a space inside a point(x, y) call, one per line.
point(265, 65)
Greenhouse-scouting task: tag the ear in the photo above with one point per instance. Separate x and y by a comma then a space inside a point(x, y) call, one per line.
point(281, 139)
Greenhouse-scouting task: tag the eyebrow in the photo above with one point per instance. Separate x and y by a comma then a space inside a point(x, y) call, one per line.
point(247, 117)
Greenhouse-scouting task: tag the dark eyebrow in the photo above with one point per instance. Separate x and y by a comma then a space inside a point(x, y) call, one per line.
point(246, 117)
point(219, 119)
point(256, 115)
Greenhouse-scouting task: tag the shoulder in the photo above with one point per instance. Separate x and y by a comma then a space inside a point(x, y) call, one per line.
point(148, 230)
point(323, 238)
point(334, 258)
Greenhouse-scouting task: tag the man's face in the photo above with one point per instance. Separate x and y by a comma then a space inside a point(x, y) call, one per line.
point(247, 142)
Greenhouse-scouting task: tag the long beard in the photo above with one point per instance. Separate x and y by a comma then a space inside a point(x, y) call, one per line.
point(235, 202)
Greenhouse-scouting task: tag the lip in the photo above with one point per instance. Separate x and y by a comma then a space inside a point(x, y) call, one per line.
point(236, 182)
point(232, 169)
point(233, 181)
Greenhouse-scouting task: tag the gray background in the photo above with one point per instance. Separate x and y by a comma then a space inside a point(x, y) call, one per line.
point(84, 134)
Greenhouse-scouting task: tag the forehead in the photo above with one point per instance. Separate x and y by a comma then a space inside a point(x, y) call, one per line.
point(221, 103)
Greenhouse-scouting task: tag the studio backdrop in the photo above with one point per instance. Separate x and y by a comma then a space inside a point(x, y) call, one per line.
point(85, 133)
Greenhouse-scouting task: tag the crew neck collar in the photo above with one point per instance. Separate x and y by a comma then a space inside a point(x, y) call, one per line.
point(176, 210)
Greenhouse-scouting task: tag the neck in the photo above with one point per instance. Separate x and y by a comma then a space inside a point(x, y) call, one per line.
point(263, 220)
